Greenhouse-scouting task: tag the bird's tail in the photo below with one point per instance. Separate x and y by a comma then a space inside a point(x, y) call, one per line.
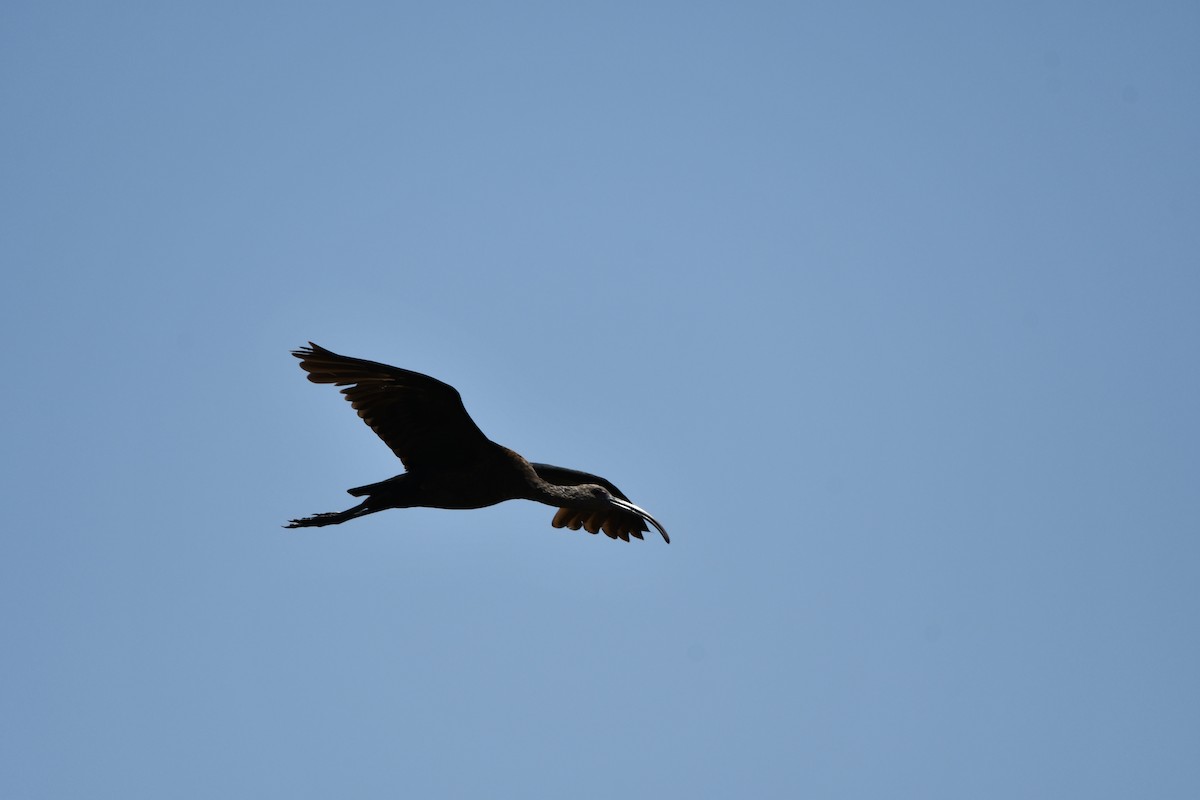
point(391, 493)
point(391, 487)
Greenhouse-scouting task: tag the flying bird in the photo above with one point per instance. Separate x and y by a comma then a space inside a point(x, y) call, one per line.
point(449, 462)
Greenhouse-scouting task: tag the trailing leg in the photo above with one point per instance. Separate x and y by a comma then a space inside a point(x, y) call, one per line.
point(334, 517)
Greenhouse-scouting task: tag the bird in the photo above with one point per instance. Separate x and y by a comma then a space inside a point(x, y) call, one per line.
point(449, 462)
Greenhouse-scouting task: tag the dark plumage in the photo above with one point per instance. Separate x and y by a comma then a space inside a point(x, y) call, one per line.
point(450, 463)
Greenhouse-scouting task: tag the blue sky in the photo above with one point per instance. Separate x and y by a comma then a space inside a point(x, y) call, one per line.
point(887, 311)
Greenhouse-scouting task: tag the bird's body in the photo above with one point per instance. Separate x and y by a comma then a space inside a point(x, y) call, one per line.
point(450, 463)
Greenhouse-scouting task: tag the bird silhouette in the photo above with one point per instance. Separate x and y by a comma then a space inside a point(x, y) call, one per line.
point(449, 461)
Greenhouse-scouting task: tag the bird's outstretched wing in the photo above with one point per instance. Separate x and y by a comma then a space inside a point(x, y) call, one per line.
point(420, 418)
point(616, 524)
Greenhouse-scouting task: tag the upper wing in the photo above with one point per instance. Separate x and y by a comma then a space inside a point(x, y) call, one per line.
point(616, 524)
point(420, 418)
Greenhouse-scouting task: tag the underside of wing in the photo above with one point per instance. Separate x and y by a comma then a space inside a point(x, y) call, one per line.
point(615, 523)
point(420, 418)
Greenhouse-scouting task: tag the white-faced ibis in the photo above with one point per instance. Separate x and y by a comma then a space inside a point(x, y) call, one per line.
point(450, 463)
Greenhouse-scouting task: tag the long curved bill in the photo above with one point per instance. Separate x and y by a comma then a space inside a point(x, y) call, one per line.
point(625, 505)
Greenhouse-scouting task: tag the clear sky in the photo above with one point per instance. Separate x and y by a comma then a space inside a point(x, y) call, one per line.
point(888, 311)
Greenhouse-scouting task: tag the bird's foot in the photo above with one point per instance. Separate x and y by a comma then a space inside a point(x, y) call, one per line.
point(317, 520)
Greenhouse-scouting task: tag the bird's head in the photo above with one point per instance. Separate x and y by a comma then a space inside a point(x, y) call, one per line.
point(593, 497)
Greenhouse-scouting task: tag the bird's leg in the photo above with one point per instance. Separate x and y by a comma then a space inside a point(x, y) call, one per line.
point(333, 517)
